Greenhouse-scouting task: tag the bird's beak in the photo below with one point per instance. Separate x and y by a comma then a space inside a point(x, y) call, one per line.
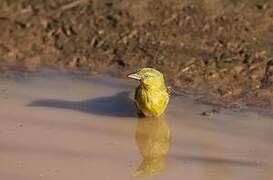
point(134, 76)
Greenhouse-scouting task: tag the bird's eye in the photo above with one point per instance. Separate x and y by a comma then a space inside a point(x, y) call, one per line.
point(146, 76)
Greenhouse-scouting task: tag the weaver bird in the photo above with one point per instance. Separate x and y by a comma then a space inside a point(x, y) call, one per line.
point(153, 139)
point(152, 95)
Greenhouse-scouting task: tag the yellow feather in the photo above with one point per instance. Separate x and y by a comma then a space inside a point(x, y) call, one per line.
point(152, 95)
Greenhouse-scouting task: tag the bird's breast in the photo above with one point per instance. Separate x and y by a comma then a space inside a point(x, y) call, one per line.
point(151, 102)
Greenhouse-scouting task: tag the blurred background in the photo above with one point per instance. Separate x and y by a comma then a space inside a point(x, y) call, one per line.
point(220, 47)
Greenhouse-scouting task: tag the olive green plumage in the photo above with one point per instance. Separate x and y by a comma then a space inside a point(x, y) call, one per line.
point(152, 95)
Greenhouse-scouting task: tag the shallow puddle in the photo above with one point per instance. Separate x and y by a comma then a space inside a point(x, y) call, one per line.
point(62, 126)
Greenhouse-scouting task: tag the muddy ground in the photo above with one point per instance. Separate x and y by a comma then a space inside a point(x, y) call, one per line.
point(220, 49)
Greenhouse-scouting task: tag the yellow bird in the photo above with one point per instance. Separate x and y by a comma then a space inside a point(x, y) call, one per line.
point(152, 95)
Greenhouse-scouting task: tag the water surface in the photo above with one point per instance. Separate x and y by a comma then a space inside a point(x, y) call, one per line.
point(62, 126)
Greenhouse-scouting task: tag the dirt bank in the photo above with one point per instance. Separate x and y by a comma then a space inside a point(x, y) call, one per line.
point(221, 48)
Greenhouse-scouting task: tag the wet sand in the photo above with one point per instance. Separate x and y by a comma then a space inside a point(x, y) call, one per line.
point(62, 126)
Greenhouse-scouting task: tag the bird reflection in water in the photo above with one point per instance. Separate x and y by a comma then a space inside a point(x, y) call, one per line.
point(153, 140)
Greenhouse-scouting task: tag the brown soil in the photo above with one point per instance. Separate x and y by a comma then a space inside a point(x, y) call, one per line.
point(224, 48)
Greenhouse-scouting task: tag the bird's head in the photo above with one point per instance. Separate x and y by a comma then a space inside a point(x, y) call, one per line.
point(149, 78)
